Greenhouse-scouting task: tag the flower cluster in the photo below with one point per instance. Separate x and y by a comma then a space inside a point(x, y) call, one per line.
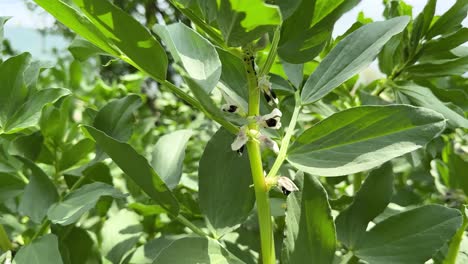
point(271, 120)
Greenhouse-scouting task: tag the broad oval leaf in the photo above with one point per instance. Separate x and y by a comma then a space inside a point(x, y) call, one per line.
point(242, 22)
point(78, 23)
point(120, 234)
point(115, 118)
point(137, 168)
point(13, 92)
point(369, 202)
point(78, 202)
point(121, 30)
point(29, 112)
point(362, 138)
point(42, 250)
point(350, 56)
point(224, 176)
point(410, 237)
point(195, 53)
point(168, 156)
point(40, 193)
point(196, 250)
point(114, 31)
point(310, 231)
point(308, 26)
point(424, 97)
point(10, 186)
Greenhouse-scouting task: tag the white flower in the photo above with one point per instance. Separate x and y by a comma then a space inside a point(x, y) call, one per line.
point(229, 108)
point(286, 185)
point(269, 143)
point(240, 140)
point(271, 120)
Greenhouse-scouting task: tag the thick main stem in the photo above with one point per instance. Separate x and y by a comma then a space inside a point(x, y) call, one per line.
point(255, 157)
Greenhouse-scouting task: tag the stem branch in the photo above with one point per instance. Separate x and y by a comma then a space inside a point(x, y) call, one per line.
point(286, 139)
point(272, 54)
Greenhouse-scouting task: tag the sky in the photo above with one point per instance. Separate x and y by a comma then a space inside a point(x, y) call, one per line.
point(18, 29)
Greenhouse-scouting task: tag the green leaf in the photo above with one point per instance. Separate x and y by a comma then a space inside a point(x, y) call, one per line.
point(71, 155)
point(82, 49)
point(10, 186)
point(80, 201)
point(424, 97)
point(224, 176)
point(310, 231)
point(370, 201)
point(233, 73)
point(409, 237)
point(140, 48)
point(196, 250)
point(120, 234)
point(447, 42)
point(168, 156)
point(306, 30)
point(137, 168)
point(113, 31)
point(456, 166)
point(78, 23)
point(450, 20)
point(3, 20)
point(77, 246)
point(53, 123)
point(42, 250)
point(148, 252)
point(294, 72)
point(439, 68)
point(28, 146)
point(455, 254)
point(362, 138)
point(29, 112)
point(40, 193)
point(196, 54)
point(423, 22)
point(350, 56)
point(242, 22)
point(116, 118)
point(13, 92)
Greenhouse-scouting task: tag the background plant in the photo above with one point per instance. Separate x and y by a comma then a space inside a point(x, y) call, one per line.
point(119, 168)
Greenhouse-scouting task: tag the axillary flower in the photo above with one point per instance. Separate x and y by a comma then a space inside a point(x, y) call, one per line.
point(271, 120)
point(284, 184)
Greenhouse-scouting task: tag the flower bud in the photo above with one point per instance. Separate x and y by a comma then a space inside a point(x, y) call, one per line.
point(269, 143)
point(286, 185)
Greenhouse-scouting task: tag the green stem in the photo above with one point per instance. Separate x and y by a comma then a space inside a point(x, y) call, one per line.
point(357, 182)
point(5, 243)
point(192, 101)
point(454, 247)
point(191, 226)
point(44, 226)
point(286, 139)
point(272, 54)
point(255, 158)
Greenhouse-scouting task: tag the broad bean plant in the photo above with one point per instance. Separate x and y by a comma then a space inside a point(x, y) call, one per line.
point(267, 143)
